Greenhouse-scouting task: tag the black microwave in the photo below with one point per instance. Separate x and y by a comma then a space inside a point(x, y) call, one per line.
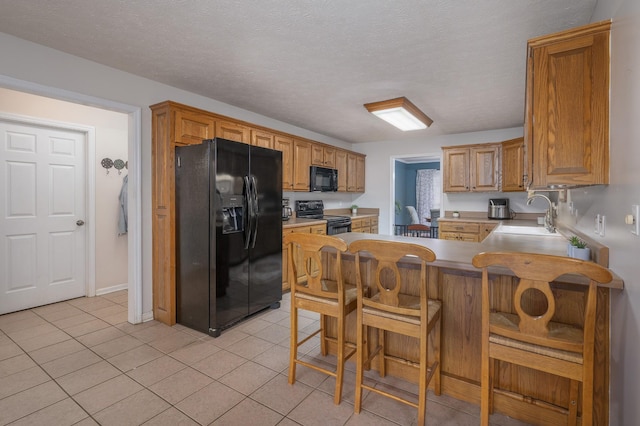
point(323, 179)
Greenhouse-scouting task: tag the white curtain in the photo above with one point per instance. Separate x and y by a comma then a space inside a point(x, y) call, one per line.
point(428, 192)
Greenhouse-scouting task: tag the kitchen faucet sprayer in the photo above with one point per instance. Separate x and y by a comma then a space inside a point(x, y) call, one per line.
point(548, 217)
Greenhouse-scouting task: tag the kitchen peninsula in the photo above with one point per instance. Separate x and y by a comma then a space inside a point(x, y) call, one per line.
point(454, 281)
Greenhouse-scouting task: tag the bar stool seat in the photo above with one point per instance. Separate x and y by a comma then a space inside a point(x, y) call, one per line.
point(535, 338)
point(384, 306)
point(313, 288)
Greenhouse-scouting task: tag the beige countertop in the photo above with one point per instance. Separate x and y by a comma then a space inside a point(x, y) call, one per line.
point(295, 222)
point(458, 254)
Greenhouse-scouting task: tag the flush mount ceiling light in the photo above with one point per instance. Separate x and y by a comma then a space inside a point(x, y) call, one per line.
point(401, 113)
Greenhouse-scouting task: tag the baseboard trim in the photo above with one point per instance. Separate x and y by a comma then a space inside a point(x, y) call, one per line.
point(112, 289)
point(147, 316)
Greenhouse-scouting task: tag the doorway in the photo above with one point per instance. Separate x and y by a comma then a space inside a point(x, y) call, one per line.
point(403, 187)
point(131, 118)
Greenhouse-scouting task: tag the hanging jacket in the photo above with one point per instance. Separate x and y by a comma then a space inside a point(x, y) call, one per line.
point(123, 220)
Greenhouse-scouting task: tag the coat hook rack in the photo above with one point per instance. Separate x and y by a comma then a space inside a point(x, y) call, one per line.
point(118, 164)
point(107, 163)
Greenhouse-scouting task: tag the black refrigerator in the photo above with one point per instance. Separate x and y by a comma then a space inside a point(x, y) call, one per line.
point(228, 233)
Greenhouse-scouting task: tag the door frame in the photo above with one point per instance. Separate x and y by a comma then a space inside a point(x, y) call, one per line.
point(89, 184)
point(134, 113)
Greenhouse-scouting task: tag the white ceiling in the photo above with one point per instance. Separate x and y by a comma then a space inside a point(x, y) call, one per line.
point(314, 63)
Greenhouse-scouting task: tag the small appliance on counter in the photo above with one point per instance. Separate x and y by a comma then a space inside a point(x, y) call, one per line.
point(286, 210)
point(499, 209)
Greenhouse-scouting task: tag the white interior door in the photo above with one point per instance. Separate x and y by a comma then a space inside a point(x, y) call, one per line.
point(42, 213)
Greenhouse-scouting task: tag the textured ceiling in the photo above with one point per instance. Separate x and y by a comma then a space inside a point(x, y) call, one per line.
point(314, 63)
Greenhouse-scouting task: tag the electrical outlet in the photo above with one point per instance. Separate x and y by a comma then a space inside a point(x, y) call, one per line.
point(633, 219)
point(603, 223)
point(596, 228)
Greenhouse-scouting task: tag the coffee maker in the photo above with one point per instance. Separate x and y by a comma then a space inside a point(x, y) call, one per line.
point(499, 209)
point(286, 210)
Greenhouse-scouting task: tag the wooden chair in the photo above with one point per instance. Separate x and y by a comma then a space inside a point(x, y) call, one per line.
point(534, 340)
point(318, 291)
point(418, 230)
point(388, 309)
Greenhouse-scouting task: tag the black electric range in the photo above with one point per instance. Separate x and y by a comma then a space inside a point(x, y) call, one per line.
point(314, 209)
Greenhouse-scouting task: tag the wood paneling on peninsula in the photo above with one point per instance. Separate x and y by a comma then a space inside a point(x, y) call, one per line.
point(458, 285)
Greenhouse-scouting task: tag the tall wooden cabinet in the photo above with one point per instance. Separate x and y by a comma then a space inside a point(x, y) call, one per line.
point(567, 107)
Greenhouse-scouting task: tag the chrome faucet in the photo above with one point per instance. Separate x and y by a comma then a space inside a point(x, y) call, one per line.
point(548, 217)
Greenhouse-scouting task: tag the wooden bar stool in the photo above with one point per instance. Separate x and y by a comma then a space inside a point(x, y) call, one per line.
point(388, 309)
point(535, 339)
point(314, 289)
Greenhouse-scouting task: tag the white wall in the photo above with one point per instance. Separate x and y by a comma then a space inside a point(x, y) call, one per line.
point(379, 171)
point(110, 141)
point(614, 201)
point(34, 63)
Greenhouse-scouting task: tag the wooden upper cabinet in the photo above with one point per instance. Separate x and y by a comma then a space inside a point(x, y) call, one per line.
point(324, 156)
point(360, 173)
point(455, 169)
point(567, 112)
point(285, 145)
point(233, 131)
point(341, 166)
point(485, 168)
point(261, 138)
point(192, 127)
point(351, 172)
point(512, 177)
point(471, 168)
point(301, 164)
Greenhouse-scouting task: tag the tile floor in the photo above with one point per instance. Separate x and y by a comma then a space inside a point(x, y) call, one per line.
point(80, 363)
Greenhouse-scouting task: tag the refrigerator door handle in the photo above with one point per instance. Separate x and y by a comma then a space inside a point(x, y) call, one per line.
point(249, 210)
point(254, 198)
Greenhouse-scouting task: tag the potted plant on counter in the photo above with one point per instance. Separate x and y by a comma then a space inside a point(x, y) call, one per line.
point(578, 249)
point(354, 209)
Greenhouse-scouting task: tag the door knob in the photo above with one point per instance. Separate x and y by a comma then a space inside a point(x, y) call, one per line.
point(80, 222)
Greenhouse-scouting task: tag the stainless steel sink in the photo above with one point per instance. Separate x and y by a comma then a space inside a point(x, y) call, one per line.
point(525, 230)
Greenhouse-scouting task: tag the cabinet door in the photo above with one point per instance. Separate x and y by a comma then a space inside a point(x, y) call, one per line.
point(455, 169)
point(571, 109)
point(329, 155)
point(317, 155)
point(233, 131)
point(192, 128)
point(360, 174)
point(485, 230)
point(263, 139)
point(285, 145)
point(301, 164)
point(341, 166)
point(485, 162)
point(512, 177)
point(351, 173)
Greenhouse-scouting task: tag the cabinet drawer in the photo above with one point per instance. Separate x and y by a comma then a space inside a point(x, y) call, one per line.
point(459, 227)
point(374, 221)
point(318, 229)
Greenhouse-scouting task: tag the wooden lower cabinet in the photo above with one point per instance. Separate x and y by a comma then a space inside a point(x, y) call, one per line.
point(460, 231)
point(473, 232)
point(460, 294)
point(311, 229)
point(367, 225)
